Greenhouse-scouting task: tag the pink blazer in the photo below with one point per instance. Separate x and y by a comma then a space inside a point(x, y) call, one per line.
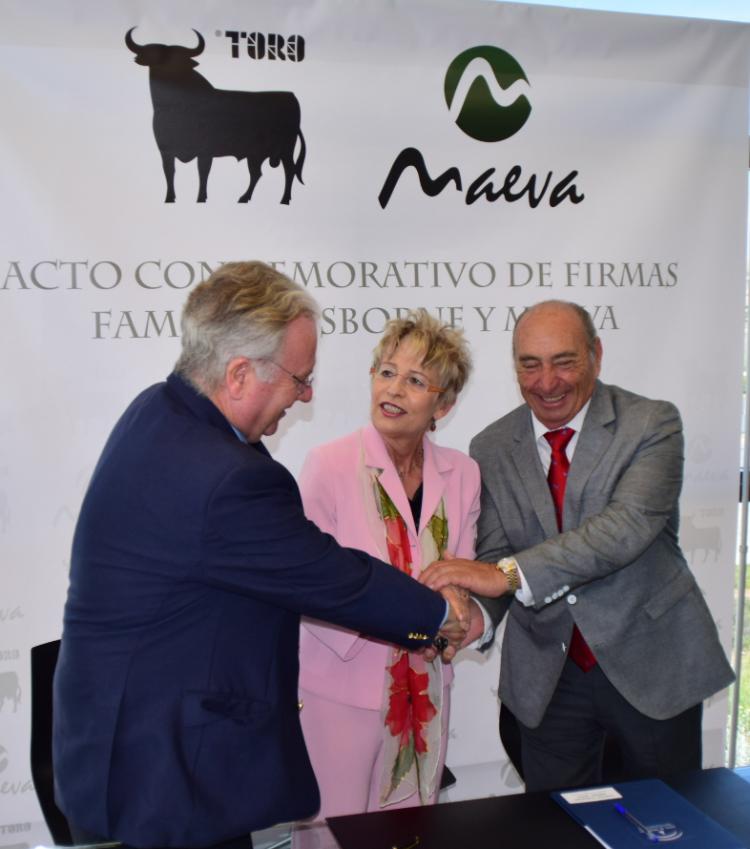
point(337, 663)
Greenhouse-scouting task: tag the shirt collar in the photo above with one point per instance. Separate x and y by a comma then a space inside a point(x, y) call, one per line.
point(241, 436)
point(576, 422)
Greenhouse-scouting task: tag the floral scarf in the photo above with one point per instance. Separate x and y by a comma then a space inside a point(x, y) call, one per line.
point(413, 693)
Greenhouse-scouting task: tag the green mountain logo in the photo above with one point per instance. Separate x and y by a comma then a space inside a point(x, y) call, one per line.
point(485, 89)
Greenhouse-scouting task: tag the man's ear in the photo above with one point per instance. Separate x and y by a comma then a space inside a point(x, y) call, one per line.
point(238, 373)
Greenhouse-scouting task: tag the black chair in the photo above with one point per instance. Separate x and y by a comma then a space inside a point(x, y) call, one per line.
point(43, 662)
point(447, 779)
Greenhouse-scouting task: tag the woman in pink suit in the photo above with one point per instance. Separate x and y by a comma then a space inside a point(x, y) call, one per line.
point(375, 717)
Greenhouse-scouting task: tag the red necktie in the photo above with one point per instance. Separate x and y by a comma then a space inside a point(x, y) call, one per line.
point(557, 477)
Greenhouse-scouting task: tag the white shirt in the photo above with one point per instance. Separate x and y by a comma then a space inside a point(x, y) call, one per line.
point(523, 593)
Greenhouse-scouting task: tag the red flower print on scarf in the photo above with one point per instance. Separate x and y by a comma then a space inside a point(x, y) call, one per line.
point(397, 540)
point(409, 710)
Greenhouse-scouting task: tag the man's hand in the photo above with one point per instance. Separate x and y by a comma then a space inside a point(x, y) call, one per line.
point(455, 626)
point(475, 631)
point(480, 578)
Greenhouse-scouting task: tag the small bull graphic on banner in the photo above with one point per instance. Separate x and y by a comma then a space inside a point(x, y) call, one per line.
point(10, 689)
point(194, 119)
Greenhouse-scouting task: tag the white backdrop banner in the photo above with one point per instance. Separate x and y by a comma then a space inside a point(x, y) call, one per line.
point(467, 157)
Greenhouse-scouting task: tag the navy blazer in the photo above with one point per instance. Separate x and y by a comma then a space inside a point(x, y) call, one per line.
point(175, 715)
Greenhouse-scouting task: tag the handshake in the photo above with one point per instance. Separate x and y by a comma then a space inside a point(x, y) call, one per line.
point(453, 578)
point(455, 631)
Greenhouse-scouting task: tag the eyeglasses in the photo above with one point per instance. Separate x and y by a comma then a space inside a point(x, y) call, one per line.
point(412, 380)
point(301, 384)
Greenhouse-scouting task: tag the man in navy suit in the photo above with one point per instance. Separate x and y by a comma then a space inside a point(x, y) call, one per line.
point(176, 722)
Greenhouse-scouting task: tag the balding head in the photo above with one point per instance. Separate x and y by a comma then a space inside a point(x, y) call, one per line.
point(557, 356)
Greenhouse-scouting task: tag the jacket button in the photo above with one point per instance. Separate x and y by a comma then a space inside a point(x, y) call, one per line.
point(572, 598)
point(300, 704)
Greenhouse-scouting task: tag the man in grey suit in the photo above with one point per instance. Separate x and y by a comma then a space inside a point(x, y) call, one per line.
point(607, 634)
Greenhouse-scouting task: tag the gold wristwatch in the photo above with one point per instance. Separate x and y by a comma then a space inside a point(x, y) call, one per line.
point(509, 568)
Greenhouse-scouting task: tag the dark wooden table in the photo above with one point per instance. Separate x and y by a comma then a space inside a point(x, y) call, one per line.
point(527, 820)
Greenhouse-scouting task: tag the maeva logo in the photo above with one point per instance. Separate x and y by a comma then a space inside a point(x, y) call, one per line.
point(482, 92)
point(485, 92)
point(194, 120)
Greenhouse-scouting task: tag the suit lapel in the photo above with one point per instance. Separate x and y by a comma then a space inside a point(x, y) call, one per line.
point(593, 442)
point(531, 474)
point(435, 474)
point(376, 457)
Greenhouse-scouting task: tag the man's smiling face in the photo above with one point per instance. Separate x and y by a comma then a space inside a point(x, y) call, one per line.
point(555, 366)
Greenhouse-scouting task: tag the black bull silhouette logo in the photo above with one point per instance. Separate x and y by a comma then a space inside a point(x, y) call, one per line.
point(194, 119)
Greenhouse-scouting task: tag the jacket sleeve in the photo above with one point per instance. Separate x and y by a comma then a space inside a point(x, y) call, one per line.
point(630, 518)
point(258, 541)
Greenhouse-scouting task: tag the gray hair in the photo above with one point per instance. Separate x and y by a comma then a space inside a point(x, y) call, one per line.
point(242, 310)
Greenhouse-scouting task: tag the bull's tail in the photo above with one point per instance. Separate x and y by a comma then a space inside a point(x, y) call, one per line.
point(301, 158)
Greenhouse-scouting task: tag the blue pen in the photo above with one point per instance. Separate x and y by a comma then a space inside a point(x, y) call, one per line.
point(636, 823)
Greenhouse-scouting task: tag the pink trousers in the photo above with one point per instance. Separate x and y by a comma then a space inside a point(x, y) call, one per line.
point(345, 746)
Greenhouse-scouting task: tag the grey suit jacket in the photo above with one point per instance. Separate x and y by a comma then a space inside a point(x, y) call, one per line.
point(616, 570)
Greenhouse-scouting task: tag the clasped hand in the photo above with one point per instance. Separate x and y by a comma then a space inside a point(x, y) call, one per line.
point(454, 577)
point(477, 577)
point(456, 626)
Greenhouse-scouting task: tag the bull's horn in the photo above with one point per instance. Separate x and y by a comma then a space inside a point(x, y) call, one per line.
point(196, 51)
point(129, 41)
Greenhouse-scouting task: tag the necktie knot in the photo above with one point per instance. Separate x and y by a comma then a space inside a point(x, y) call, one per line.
point(559, 439)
